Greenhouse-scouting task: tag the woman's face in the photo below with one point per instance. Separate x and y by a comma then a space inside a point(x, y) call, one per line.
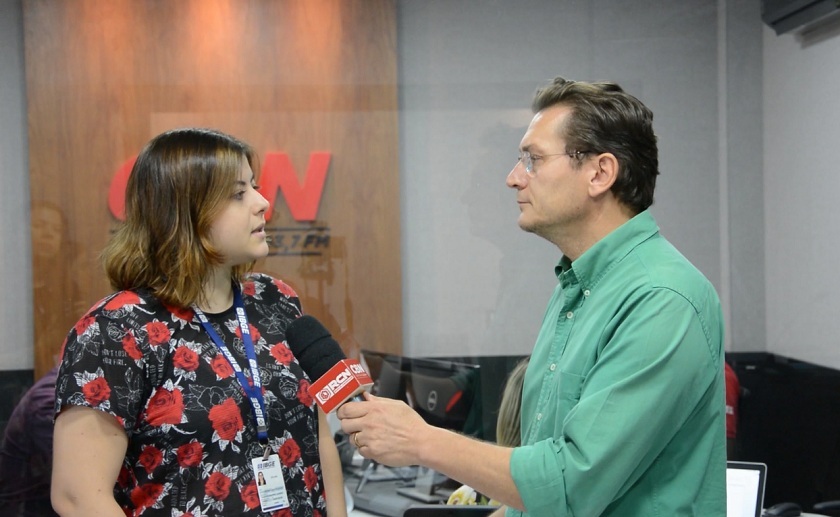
point(239, 230)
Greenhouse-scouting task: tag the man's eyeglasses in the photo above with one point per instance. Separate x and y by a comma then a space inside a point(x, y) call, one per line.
point(529, 160)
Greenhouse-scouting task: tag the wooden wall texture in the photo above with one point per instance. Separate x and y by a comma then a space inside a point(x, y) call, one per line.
point(291, 77)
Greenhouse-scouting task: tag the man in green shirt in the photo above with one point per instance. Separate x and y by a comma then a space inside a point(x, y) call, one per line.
point(623, 402)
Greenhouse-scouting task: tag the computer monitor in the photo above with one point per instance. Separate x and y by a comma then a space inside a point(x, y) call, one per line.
point(459, 393)
point(387, 372)
point(445, 392)
point(745, 488)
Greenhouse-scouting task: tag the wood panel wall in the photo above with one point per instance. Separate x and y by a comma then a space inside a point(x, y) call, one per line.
point(287, 76)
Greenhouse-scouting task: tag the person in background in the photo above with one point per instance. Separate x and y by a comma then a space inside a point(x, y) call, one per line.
point(507, 431)
point(176, 389)
point(26, 453)
point(621, 404)
point(54, 253)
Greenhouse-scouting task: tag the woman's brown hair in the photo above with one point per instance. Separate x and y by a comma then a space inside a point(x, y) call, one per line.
point(180, 183)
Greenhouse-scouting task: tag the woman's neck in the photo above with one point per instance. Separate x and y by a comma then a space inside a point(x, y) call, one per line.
point(217, 294)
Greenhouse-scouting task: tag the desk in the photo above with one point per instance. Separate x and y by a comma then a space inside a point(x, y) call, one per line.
point(380, 495)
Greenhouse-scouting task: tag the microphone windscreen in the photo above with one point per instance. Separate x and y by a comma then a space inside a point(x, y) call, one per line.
point(313, 346)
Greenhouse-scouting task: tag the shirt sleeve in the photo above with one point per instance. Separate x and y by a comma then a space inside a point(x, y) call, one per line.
point(650, 375)
point(103, 366)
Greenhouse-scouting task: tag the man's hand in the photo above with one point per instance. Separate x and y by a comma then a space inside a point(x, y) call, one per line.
point(384, 430)
point(393, 434)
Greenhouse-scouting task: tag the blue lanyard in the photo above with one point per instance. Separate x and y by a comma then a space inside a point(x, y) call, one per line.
point(254, 390)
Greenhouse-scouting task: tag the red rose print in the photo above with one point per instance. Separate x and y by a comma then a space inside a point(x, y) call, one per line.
point(165, 407)
point(303, 394)
point(285, 289)
point(145, 495)
point(185, 314)
point(255, 334)
point(123, 477)
point(121, 300)
point(150, 458)
point(83, 324)
point(226, 419)
point(289, 452)
point(249, 495)
point(282, 354)
point(249, 289)
point(221, 366)
point(130, 346)
point(190, 454)
point(96, 391)
point(316, 513)
point(310, 478)
point(185, 359)
point(285, 512)
point(158, 333)
point(218, 486)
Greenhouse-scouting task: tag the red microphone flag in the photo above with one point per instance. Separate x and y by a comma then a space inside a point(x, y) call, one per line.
point(344, 380)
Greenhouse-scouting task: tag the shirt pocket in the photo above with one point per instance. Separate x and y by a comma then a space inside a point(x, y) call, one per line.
point(568, 388)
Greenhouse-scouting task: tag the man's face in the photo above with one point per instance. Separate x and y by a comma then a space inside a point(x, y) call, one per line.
point(553, 197)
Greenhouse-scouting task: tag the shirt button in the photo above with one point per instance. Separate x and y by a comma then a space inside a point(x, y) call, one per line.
point(586, 292)
point(539, 416)
point(552, 367)
point(570, 315)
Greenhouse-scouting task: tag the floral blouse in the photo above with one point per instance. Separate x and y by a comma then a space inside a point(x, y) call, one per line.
point(191, 430)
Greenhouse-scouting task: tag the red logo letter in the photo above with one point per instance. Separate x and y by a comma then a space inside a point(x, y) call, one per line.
point(116, 192)
point(303, 200)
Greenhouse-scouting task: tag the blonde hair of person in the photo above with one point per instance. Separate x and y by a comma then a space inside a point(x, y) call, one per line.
point(507, 424)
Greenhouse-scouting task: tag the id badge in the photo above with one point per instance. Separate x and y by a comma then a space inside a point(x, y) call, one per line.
point(271, 488)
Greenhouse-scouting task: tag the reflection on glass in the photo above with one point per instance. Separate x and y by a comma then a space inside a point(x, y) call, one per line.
point(56, 288)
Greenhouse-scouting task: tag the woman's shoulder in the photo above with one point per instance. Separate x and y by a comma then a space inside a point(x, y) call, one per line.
point(117, 304)
point(133, 310)
point(255, 284)
point(272, 298)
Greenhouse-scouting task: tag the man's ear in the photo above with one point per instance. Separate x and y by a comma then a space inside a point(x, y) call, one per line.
point(604, 175)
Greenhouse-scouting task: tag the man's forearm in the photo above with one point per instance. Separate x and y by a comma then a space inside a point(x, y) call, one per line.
point(483, 466)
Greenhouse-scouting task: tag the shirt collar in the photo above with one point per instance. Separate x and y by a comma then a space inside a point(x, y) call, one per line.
point(595, 262)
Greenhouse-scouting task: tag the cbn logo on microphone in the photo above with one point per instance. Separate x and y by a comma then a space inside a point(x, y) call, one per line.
point(344, 380)
point(334, 386)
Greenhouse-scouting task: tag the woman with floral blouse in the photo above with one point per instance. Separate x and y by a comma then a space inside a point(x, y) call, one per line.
point(176, 390)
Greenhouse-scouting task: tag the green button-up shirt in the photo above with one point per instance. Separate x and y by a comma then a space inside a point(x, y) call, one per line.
point(623, 402)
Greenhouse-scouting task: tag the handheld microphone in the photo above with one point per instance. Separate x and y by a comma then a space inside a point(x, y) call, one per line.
point(320, 356)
